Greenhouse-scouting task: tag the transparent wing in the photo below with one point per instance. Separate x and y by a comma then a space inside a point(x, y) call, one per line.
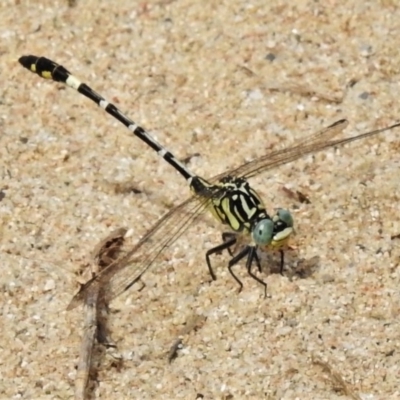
point(311, 144)
point(282, 156)
point(126, 271)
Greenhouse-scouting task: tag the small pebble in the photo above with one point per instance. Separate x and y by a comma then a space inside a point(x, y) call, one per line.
point(270, 57)
point(49, 285)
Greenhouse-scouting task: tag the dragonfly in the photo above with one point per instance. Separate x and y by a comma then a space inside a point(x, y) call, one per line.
point(228, 196)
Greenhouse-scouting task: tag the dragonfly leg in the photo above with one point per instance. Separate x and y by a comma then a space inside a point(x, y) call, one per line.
point(282, 261)
point(228, 242)
point(226, 236)
point(254, 256)
point(257, 260)
point(234, 260)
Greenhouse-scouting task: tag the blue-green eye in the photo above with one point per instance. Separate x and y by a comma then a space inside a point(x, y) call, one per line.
point(284, 216)
point(283, 227)
point(263, 231)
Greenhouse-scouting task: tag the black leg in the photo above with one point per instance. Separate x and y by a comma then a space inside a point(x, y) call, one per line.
point(282, 260)
point(234, 260)
point(223, 246)
point(226, 236)
point(253, 256)
point(257, 260)
point(249, 251)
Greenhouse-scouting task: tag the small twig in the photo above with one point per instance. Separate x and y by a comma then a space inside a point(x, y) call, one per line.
point(193, 324)
point(173, 352)
point(305, 91)
point(103, 255)
point(296, 195)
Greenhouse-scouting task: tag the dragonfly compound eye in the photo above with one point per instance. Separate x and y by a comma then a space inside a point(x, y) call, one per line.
point(283, 227)
point(284, 217)
point(263, 231)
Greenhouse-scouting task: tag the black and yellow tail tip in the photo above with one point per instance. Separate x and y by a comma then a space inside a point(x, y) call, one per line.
point(29, 62)
point(39, 65)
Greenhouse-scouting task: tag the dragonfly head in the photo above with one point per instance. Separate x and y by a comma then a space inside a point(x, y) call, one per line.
point(274, 232)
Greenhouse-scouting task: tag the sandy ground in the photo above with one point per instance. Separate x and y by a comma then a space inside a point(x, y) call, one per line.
point(227, 81)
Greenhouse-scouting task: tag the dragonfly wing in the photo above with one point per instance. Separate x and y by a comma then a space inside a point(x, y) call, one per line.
point(313, 144)
point(281, 156)
point(129, 268)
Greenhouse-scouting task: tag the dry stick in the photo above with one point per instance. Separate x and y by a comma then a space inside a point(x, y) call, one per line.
point(104, 254)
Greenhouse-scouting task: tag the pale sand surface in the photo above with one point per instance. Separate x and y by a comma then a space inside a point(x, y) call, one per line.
point(197, 75)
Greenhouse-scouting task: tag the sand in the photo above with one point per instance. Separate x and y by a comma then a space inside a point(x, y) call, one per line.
point(221, 83)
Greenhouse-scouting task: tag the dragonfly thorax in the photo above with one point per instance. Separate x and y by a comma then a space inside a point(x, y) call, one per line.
point(236, 204)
